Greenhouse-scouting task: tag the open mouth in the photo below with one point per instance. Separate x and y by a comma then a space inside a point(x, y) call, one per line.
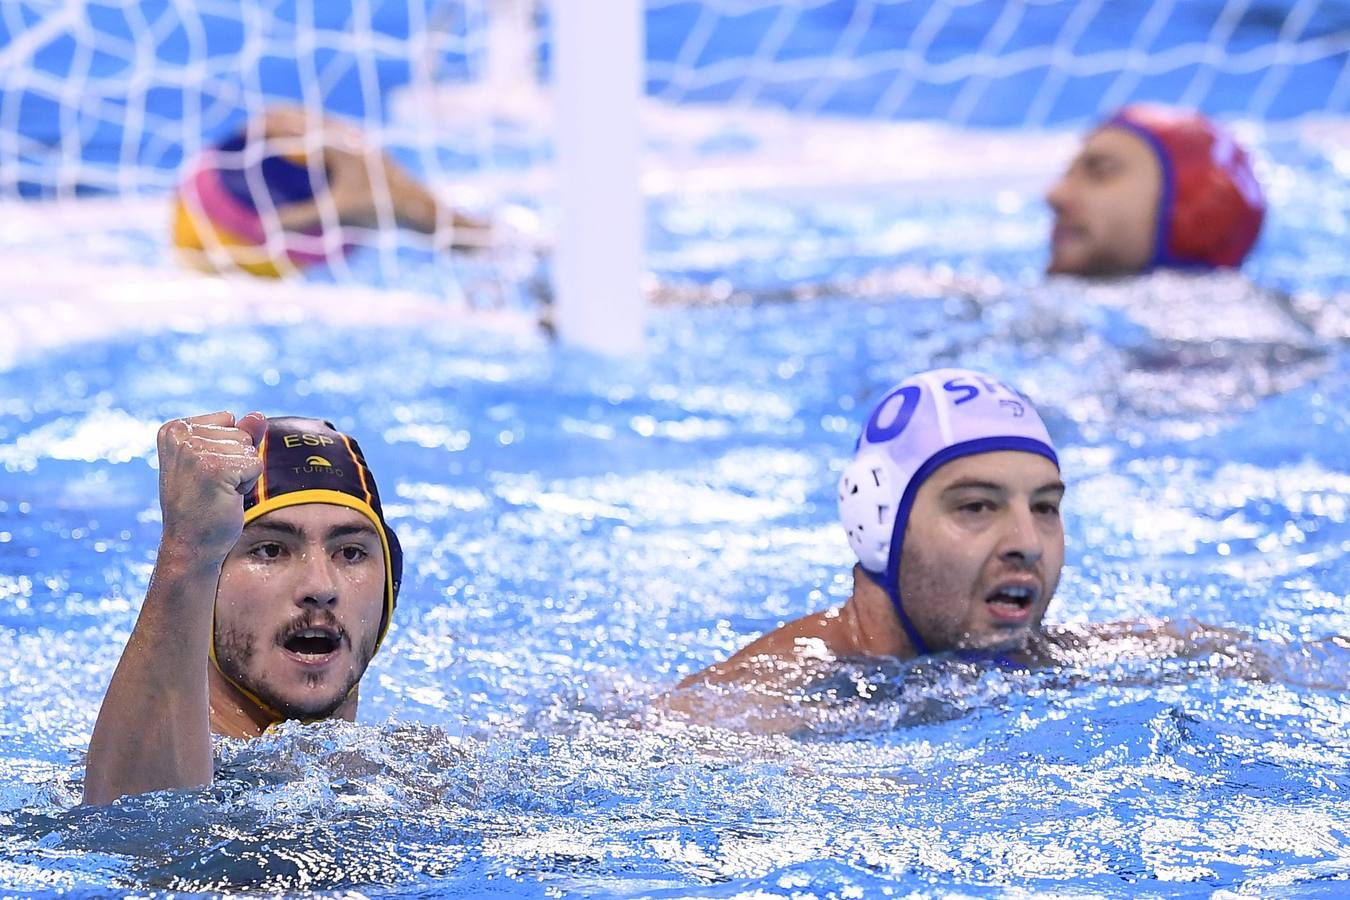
point(1012, 601)
point(313, 642)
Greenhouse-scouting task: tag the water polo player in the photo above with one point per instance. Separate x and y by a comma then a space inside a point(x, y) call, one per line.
point(274, 586)
point(952, 507)
point(1155, 187)
point(951, 504)
point(287, 191)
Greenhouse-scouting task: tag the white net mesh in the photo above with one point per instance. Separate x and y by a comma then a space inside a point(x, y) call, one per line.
point(987, 62)
point(117, 96)
point(121, 97)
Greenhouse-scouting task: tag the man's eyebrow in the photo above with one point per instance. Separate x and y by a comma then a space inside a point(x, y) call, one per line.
point(973, 484)
point(342, 531)
point(285, 528)
point(294, 531)
point(1098, 158)
point(976, 484)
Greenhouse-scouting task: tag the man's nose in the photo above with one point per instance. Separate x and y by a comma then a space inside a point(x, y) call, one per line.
point(318, 582)
point(1058, 195)
point(1022, 541)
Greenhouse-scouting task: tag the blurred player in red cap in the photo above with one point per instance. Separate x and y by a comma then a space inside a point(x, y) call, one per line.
point(1155, 187)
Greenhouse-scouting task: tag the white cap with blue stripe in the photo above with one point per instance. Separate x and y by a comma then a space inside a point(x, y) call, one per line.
point(921, 424)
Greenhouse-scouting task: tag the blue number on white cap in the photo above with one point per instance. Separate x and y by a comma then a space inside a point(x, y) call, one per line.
point(971, 391)
point(957, 385)
point(909, 401)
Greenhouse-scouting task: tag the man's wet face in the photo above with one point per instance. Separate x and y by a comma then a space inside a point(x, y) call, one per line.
point(299, 607)
point(983, 551)
point(1106, 207)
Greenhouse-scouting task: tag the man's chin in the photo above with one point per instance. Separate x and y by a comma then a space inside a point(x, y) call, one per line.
point(1067, 264)
point(308, 708)
point(1102, 267)
point(1000, 640)
point(298, 702)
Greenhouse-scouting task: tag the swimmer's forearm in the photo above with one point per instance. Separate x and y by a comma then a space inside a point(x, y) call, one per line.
point(153, 731)
point(415, 207)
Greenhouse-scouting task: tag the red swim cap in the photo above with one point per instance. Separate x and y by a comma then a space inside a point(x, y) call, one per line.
point(1211, 207)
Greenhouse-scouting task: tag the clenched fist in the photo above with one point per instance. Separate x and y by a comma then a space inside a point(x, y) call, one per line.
point(206, 465)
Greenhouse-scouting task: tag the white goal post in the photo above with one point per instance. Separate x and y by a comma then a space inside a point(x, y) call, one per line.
point(536, 105)
point(598, 257)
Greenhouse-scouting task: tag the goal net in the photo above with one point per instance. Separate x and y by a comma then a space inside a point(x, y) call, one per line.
point(1026, 64)
point(121, 98)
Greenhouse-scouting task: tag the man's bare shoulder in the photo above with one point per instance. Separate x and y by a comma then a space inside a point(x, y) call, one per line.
point(801, 647)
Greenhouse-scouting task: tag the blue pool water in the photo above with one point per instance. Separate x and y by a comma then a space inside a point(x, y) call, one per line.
point(581, 533)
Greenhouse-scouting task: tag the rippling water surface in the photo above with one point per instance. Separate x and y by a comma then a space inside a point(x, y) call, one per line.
point(582, 533)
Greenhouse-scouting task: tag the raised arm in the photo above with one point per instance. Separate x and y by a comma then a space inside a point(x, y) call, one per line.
point(153, 730)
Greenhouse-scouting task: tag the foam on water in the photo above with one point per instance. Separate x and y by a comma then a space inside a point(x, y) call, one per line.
point(582, 533)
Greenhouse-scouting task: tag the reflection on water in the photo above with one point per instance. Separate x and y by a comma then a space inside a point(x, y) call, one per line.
point(952, 774)
point(582, 533)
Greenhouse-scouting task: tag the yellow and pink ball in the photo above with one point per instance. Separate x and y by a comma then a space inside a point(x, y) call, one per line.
point(221, 223)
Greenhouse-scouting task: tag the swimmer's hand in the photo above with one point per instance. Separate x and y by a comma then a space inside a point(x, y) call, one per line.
point(206, 465)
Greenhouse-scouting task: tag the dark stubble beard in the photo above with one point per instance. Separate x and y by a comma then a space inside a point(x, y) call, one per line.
point(235, 650)
point(922, 577)
point(919, 578)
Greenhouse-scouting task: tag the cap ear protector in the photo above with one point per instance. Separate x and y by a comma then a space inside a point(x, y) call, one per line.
point(868, 502)
point(922, 424)
point(1211, 206)
point(310, 461)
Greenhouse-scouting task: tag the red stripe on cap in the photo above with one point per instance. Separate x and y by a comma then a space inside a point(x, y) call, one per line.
point(360, 469)
point(262, 479)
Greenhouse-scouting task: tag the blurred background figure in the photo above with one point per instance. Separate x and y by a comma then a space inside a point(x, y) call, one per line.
point(288, 191)
point(1155, 187)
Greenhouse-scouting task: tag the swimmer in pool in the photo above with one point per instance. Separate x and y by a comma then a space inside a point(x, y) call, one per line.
point(1154, 187)
point(273, 588)
point(230, 204)
point(951, 504)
